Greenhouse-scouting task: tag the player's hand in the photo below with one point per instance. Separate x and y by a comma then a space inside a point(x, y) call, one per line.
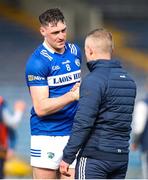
point(75, 91)
point(77, 85)
point(20, 105)
point(64, 167)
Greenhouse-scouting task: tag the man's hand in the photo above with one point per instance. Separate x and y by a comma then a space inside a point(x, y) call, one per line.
point(20, 106)
point(64, 167)
point(75, 91)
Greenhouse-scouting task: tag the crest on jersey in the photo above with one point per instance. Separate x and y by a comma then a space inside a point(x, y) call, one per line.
point(77, 62)
point(50, 155)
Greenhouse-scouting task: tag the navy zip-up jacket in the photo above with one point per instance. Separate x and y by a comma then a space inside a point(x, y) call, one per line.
point(102, 124)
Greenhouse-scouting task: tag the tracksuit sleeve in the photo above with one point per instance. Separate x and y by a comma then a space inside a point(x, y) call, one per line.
point(89, 102)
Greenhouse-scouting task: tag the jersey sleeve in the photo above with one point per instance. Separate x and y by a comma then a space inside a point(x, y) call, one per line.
point(36, 72)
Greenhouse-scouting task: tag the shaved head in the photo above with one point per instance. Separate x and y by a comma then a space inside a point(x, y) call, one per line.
point(100, 40)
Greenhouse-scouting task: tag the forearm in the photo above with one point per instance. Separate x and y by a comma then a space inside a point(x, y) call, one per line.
point(82, 126)
point(84, 121)
point(77, 139)
point(49, 106)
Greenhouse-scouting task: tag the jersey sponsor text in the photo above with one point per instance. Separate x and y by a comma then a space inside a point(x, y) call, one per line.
point(64, 79)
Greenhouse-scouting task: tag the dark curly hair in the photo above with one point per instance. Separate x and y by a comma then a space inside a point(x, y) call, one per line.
point(51, 16)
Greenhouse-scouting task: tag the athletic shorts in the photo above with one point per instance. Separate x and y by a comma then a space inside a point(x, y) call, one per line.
point(47, 151)
point(87, 168)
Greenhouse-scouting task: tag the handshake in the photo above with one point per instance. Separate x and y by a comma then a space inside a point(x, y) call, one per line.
point(75, 91)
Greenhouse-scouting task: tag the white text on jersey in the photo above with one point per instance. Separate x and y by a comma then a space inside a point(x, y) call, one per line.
point(64, 79)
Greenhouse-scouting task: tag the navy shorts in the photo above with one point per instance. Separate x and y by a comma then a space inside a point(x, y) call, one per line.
point(87, 168)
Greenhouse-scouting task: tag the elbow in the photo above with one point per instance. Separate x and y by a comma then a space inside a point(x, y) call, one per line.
point(40, 112)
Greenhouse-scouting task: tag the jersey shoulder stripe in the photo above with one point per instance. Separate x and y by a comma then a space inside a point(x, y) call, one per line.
point(45, 53)
point(73, 49)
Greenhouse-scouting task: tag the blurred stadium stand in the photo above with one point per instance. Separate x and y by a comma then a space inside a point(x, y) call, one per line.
point(19, 36)
point(123, 9)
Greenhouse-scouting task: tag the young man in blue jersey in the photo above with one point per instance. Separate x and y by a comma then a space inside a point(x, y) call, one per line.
point(102, 125)
point(53, 76)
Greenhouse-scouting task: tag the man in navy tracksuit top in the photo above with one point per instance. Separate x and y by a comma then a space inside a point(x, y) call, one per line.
point(102, 124)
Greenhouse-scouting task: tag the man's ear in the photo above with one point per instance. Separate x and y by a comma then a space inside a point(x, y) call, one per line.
point(88, 53)
point(91, 51)
point(42, 31)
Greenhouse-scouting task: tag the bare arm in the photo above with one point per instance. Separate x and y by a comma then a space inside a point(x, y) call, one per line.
point(44, 105)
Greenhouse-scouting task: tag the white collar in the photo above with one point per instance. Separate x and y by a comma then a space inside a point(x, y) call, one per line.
point(49, 49)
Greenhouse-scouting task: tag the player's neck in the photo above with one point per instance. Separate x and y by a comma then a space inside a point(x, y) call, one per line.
point(52, 50)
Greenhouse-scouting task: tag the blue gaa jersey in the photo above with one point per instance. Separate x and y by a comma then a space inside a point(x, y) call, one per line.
point(59, 72)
